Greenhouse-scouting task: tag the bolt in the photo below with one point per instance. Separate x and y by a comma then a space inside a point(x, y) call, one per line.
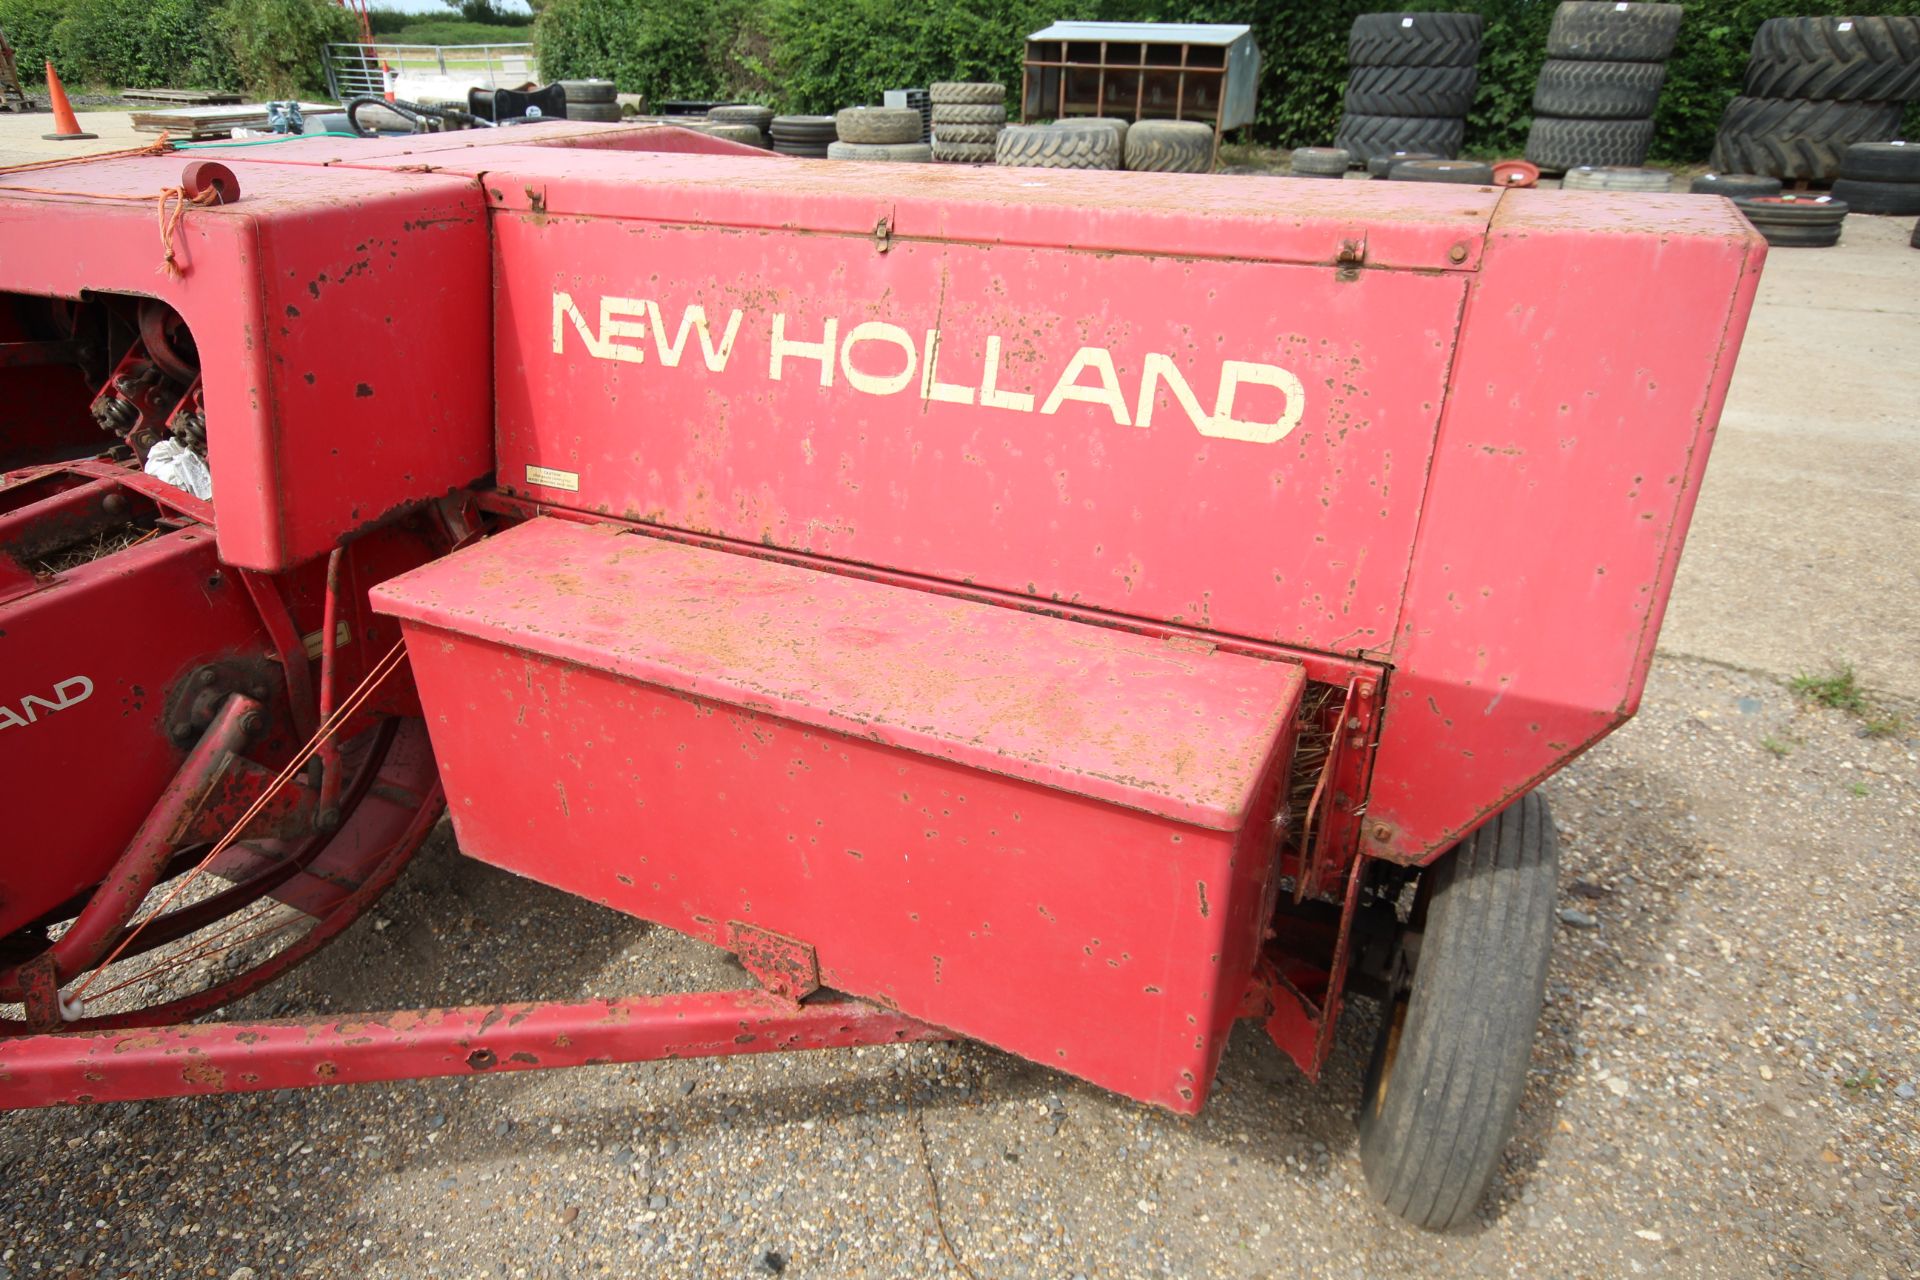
point(327, 820)
point(1366, 688)
point(207, 675)
point(1382, 833)
point(1457, 254)
point(114, 504)
point(252, 723)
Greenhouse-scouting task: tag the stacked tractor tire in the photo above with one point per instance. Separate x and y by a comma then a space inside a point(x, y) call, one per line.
point(880, 133)
point(1880, 177)
point(1594, 101)
point(1814, 86)
point(967, 119)
point(805, 136)
point(1410, 84)
point(740, 122)
point(1102, 142)
point(591, 100)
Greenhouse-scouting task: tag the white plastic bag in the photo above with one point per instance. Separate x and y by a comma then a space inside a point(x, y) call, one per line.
point(180, 467)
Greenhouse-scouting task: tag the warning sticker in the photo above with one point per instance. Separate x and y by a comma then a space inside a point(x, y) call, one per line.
point(553, 478)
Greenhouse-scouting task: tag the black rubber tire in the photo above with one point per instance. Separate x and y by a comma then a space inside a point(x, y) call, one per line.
point(1872, 60)
point(1915, 241)
point(1788, 139)
point(1414, 40)
point(886, 152)
point(1881, 161)
point(1450, 1063)
point(967, 133)
point(1114, 123)
point(807, 129)
point(1320, 162)
point(744, 134)
point(1411, 91)
point(1555, 142)
point(1792, 211)
point(1599, 31)
point(1892, 199)
point(1616, 178)
point(1784, 237)
point(1368, 136)
point(878, 126)
point(583, 91)
point(1599, 90)
point(1381, 165)
point(743, 113)
point(803, 150)
point(1465, 172)
point(969, 113)
point(1057, 146)
point(956, 92)
point(1733, 185)
point(1170, 146)
point(597, 112)
point(963, 152)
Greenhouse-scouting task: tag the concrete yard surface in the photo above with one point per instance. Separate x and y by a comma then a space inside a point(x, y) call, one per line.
point(1724, 1083)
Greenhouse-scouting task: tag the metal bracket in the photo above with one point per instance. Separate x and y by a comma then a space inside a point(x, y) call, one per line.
point(785, 966)
point(883, 233)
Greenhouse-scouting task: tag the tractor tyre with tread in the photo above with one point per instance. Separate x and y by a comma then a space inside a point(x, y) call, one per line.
point(1861, 59)
point(1557, 142)
point(1411, 91)
point(1368, 136)
point(889, 152)
point(1598, 90)
point(1058, 146)
point(1599, 31)
point(968, 113)
point(1785, 138)
point(1170, 146)
point(1451, 1059)
point(954, 92)
point(1414, 40)
point(878, 126)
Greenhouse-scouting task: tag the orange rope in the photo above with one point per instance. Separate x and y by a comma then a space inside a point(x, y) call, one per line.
point(158, 147)
point(381, 670)
point(174, 203)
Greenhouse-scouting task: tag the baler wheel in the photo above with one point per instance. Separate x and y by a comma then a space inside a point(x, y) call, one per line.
point(273, 903)
point(1451, 1059)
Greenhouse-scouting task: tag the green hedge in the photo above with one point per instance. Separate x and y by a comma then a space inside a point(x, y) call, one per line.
point(810, 55)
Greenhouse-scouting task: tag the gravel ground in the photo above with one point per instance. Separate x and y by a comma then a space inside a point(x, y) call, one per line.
point(1723, 1086)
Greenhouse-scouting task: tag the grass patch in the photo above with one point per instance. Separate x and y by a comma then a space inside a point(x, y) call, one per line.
point(1837, 688)
point(1858, 788)
point(1776, 747)
point(1889, 725)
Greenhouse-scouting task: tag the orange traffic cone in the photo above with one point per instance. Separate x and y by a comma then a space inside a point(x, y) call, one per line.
point(65, 127)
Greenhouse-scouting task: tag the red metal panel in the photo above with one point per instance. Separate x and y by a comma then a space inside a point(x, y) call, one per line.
point(245, 1057)
point(999, 470)
point(1173, 730)
point(711, 793)
point(339, 385)
point(1598, 343)
point(82, 746)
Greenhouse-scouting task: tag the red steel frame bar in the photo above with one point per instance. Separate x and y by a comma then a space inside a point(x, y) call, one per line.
point(245, 1057)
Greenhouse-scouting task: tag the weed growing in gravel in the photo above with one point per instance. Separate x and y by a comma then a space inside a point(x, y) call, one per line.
point(1858, 788)
point(1889, 725)
point(1777, 747)
point(1837, 689)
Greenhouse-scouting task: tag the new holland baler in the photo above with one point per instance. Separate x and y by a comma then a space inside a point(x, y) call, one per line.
point(1074, 611)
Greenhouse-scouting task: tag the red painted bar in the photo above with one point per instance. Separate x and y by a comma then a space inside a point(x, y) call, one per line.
point(246, 1057)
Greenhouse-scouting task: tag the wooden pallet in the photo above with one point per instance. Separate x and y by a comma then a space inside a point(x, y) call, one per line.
point(183, 97)
point(193, 123)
